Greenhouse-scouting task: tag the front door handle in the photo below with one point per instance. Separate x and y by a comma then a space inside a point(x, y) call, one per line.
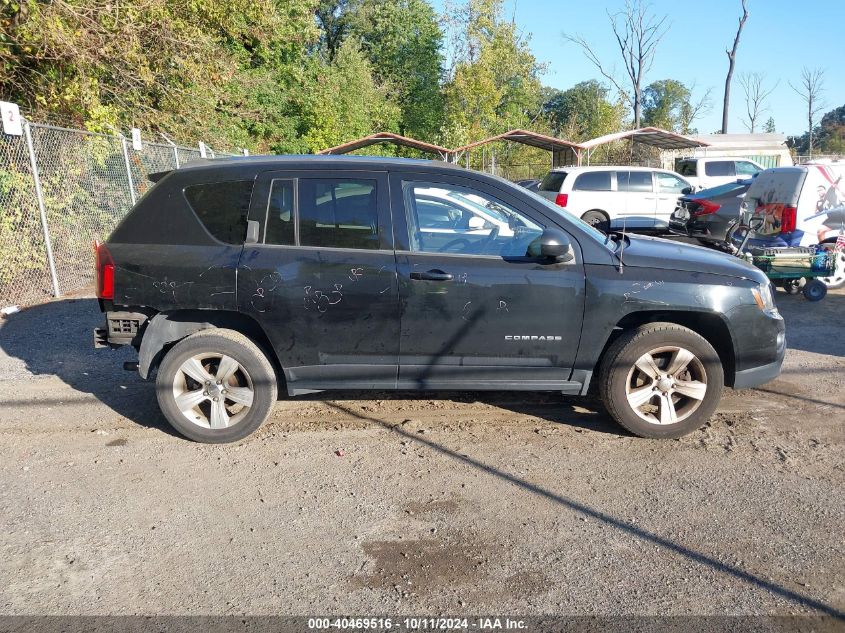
point(432, 275)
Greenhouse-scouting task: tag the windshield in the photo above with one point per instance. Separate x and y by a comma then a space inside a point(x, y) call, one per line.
point(587, 228)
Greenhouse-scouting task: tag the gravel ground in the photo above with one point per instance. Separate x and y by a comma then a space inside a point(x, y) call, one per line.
point(415, 503)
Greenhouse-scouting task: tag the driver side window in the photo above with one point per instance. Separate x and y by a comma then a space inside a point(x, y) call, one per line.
point(445, 218)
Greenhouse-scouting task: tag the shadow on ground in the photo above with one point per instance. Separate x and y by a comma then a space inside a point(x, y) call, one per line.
point(56, 339)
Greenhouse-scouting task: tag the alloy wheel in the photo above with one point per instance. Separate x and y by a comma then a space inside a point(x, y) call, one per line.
point(666, 385)
point(213, 391)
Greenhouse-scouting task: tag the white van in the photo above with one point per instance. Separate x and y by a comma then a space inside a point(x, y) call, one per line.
point(703, 173)
point(801, 206)
point(638, 197)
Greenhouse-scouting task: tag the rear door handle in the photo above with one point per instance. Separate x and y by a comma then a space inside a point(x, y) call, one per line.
point(432, 275)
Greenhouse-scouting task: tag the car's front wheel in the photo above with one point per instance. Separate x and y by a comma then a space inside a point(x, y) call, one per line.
point(661, 380)
point(216, 386)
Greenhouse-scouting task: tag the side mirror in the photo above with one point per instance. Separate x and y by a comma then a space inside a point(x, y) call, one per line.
point(687, 191)
point(555, 245)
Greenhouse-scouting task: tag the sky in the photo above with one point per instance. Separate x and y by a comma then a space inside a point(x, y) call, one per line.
point(779, 38)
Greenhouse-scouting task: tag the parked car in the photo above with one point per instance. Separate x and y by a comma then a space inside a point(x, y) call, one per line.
point(640, 198)
point(532, 184)
point(707, 214)
point(234, 277)
point(801, 206)
point(705, 173)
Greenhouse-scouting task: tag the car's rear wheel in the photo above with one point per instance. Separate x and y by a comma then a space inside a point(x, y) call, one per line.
point(661, 380)
point(216, 386)
point(597, 219)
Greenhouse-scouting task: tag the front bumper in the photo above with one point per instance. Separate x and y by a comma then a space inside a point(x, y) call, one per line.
point(761, 374)
point(757, 376)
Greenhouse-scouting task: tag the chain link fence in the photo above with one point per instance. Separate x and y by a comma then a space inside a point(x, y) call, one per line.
point(60, 189)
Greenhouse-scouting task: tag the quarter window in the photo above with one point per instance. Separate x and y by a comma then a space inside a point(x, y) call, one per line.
point(592, 181)
point(461, 221)
point(222, 207)
point(338, 212)
point(280, 215)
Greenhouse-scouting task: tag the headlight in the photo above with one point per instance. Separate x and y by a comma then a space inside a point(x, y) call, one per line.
point(764, 297)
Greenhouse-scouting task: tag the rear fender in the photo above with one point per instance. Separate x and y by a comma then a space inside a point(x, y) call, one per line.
point(167, 328)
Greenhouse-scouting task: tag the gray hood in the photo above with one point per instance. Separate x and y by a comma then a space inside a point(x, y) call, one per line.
point(653, 252)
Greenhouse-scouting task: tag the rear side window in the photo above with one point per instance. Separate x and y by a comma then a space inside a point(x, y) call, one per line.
point(338, 212)
point(719, 168)
point(634, 181)
point(593, 181)
point(553, 181)
point(222, 207)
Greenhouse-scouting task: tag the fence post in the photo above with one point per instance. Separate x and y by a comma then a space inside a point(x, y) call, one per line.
point(128, 168)
point(174, 146)
point(39, 195)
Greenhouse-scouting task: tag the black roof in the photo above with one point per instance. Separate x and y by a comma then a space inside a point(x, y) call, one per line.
point(255, 164)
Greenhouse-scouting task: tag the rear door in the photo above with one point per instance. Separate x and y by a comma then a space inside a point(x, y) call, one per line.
point(478, 311)
point(637, 191)
point(322, 279)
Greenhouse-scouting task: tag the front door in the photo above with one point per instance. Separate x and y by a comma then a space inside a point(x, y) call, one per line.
point(669, 188)
point(479, 308)
point(321, 282)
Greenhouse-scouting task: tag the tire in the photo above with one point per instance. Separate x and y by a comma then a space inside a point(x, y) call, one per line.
point(793, 286)
point(815, 290)
point(597, 219)
point(837, 280)
point(620, 378)
point(243, 401)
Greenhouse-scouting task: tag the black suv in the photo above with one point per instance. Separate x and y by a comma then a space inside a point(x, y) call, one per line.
point(234, 276)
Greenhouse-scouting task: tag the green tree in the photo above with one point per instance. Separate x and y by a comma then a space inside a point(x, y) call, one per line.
point(340, 100)
point(402, 40)
point(770, 126)
point(494, 85)
point(583, 111)
point(200, 69)
point(668, 104)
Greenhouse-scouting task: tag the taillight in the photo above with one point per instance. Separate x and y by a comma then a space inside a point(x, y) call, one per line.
point(706, 207)
point(104, 265)
point(788, 219)
point(562, 199)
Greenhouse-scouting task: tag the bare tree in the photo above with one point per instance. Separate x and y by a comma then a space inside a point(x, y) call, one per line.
point(756, 93)
point(695, 109)
point(637, 32)
point(810, 90)
point(726, 104)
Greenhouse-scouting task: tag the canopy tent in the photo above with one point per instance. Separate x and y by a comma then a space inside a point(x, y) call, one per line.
point(653, 136)
point(388, 137)
point(563, 152)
